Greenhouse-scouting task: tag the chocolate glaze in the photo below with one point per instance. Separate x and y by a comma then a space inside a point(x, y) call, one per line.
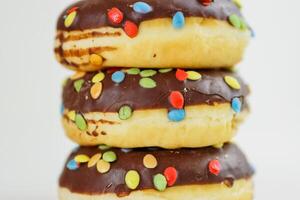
point(210, 89)
point(93, 13)
point(191, 165)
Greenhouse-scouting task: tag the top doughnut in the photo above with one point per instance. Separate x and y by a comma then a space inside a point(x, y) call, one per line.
point(94, 34)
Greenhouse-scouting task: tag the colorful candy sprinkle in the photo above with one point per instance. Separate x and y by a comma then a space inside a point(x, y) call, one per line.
point(80, 122)
point(214, 167)
point(181, 75)
point(98, 77)
point(62, 109)
point(232, 82)
point(238, 3)
point(103, 147)
point(96, 60)
point(176, 99)
point(109, 156)
point(75, 8)
point(77, 75)
point(218, 146)
point(237, 22)
point(236, 105)
point(132, 179)
point(70, 19)
point(96, 90)
point(78, 84)
point(81, 158)
point(103, 166)
point(171, 175)
point(71, 115)
point(133, 71)
point(118, 76)
point(72, 165)
point(160, 182)
point(148, 73)
point(165, 70)
point(125, 112)
point(142, 7)
point(94, 159)
point(147, 83)
point(149, 161)
point(126, 150)
point(176, 115)
point(131, 29)
point(206, 2)
point(115, 16)
point(193, 75)
point(178, 20)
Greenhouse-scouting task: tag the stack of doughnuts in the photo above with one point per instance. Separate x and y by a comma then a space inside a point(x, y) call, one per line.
point(155, 100)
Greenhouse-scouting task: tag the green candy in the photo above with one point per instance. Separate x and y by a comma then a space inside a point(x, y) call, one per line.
point(235, 21)
point(160, 182)
point(148, 73)
point(109, 156)
point(125, 112)
point(165, 70)
point(98, 77)
point(147, 83)
point(80, 122)
point(103, 147)
point(78, 84)
point(132, 179)
point(133, 71)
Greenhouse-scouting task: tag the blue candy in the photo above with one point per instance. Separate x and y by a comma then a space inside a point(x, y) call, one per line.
point(176, 115)
point(72, 165)
point(118, 76)
point(62, 109)
point(178, 20)
point(236, 105)
point(126, 150)
point(142, 7)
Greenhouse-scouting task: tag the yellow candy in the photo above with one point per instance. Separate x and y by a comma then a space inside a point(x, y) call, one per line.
point(98, 77)
point(218, 146)
point(194, 76)
point(70, 19)
point(132, 179)
point(150, 161)
point(103, 166)
point(82, 158)
point(77, 75)
point(94, 159)
point(96, 60)
point(238, 3)
point(71, 115)
point(96, 90)
point(232, 82)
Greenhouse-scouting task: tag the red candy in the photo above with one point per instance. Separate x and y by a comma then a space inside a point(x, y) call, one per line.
point(181, 75)
point(115, 16)
point(214, 167)
point(130, 29)
point(206, 2)
point(72, 9)
point(171, 175)
point(176, 99)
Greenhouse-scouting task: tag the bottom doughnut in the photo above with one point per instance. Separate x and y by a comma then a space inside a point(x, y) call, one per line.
point(208, 173)
point(241, 190)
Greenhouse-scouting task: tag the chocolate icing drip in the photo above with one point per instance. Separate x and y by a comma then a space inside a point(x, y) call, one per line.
point(93, 13)
point(210, 89)
point(191, 166)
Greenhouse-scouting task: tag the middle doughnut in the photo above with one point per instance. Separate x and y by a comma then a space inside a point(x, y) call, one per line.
point(130, 108)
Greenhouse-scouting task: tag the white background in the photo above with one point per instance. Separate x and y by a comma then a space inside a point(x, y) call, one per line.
point(32, 144)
